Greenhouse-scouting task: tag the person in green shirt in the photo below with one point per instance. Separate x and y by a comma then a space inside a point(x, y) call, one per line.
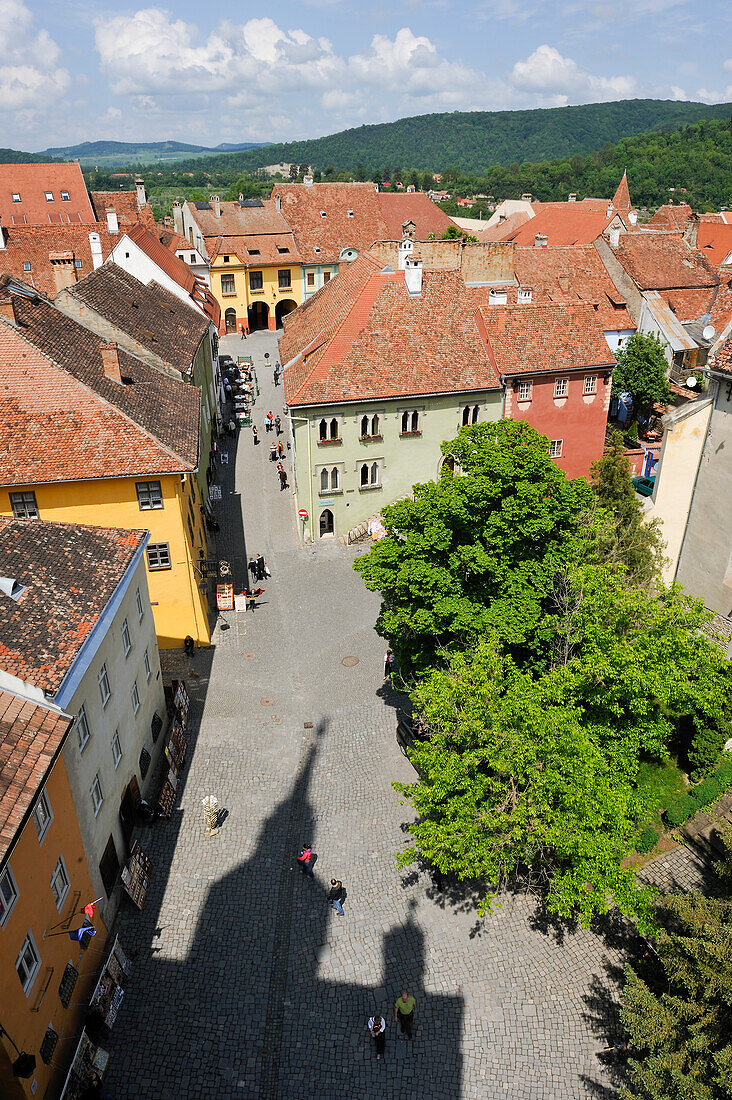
point(405, 1010)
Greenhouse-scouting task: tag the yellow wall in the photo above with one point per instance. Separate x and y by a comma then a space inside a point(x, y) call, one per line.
point(32, 865)
point(179, 606)
point(243, 297)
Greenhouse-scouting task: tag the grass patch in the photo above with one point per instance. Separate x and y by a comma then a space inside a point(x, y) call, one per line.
point(659, 785)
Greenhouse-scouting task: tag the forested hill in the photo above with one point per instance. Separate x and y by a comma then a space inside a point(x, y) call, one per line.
point(15, 156)
point(690, 164)
point(475, 140)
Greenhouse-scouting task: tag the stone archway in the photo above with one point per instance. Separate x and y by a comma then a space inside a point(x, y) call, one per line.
point(283, 308)
point(258, 316)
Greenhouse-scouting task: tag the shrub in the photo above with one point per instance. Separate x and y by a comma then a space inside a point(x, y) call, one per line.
point(648, 840)
point(705, 749)
point(707, 791)
point(724, 771)
point(681, 809)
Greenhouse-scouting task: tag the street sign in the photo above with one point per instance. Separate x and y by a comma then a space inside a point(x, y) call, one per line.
point(303, 514)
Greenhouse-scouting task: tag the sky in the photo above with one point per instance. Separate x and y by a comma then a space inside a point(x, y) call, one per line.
point(78, 70)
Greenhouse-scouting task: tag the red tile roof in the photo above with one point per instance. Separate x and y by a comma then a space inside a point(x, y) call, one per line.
point(572, 274)
point(714, 241)
point(52, 252)
point(531, 339)
point(30, 738)
point(236, 220)
point(621, 198)
point(562, 223)
point(256, 249)
point(658, 261)
point(416, 207)
point(177, 270)
point(31, 181)
point(125, 205)
point(671, 217)
point(174, 242)
point(301, 206)
point(70, 573)
point(503, 230)
point(63, 419)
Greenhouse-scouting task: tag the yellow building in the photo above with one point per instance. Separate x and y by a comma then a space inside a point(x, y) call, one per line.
point(255, 269)
point(93, 435)
point(46, 978)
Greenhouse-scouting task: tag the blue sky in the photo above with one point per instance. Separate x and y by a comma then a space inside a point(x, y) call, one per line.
point(76, 70)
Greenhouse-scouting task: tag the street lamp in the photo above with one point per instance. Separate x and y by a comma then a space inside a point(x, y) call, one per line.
point(25, 1064)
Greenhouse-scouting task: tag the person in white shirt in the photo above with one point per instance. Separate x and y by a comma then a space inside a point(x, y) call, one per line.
point(377, 1029)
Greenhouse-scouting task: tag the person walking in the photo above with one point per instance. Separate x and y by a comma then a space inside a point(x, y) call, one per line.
point(260, 567)
point(252, 567)
point(280, 451)
point(377, 1030)
point(305, 860)
point(388, 664)
point(269, 420)
point(276, 375)
point(273, 453)
point(278, 425)
point(335, 896)
point(405, 1009)
point(255, 436)
point(283, 478)
point(188, 646)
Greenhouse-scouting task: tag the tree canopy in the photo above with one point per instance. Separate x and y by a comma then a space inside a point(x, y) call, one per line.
point(642, 370)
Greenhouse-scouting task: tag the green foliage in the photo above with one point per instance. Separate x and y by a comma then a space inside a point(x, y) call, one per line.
point(707, 791)
point(642, 370)
point(706, 747)
point(647, 840)
point(680, 1021)
point(681, 810)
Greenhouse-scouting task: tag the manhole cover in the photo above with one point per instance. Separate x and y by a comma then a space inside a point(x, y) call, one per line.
point(349, 662)
point(247, 656)
point(266, 702)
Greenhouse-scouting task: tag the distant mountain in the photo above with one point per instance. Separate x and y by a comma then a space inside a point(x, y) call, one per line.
point(119, 153)
point(475, 141)
point(15, 156)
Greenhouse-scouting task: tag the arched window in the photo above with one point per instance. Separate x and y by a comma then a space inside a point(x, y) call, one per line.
point(323, 429)
point(375, 473)
point(474, 416)
point(324, 481)
point(405, 422)
point(326, 525)
point(466, 416)
point(365, 474)
point(364, 425)
point(335, 478)
point(415, 421)
point(334, 433)
point(375, 425)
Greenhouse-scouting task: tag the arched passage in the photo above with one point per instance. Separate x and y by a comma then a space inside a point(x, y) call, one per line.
point(327, 524)
point(283, 308)
point(258, 316)
point(230, 320)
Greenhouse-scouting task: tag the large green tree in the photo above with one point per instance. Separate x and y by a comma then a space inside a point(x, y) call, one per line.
point(641, 370)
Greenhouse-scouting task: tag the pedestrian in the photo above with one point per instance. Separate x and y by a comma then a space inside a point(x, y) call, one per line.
point(255, 436)
point(388, 664)
point(276, 376)
point(335, 897)
point(405, 1010)
point(253, 567)
point(280, 451)
point(305, 859)
point(377, 1030)
point(231, 427)
point(278, 425)
point(269, 418)
point(188, 646)
point(283, 479)
point(273, 453)
point(267, 571)
point(260, 567)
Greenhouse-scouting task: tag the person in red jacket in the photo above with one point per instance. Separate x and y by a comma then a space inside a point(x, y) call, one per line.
point(305, 860)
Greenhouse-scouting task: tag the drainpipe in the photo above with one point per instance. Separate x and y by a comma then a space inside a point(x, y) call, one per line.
point(304, 420)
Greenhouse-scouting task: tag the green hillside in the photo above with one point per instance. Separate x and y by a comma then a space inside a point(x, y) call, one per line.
point(474, 140)
point(15, 156)
point(111, 154)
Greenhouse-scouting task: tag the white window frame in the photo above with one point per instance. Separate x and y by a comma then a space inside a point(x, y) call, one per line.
point(525, 391)
point(556, 446)
point(15, 196)
point(149, 496)
point(116, 744)
point(561, 387)
point(42, 815)
point(7, 882)
point(82, 726)
point(96, 786)
point(147, 666)
point(126, 640)
point(135, 696)
point(30, 977)
point(105, 690)
point(49, 196)
point(589, 386)
point(60, 871)
point(23, 504)
point(160, 550)
point(373, 483)
point(140, 608)
point(65, 197)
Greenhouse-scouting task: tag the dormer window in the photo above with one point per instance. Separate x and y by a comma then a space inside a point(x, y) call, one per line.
point(226, 259)
point(323, 214)
point(497, 297)
point(49, 196)
point(316, 249)
point(26, 265)
point(16, 196)
point(65, 196)
point(349, 213)
point(253, 251)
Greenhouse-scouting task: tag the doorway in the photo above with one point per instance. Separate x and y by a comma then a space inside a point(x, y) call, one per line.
point(327, 524)
point(109, 866)
point(282, 309)
point(258, 316)
point(230, 320)
point(128, 808)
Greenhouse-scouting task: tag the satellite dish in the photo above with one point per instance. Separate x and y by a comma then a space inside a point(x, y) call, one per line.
point(691, 381)
point(709, 332)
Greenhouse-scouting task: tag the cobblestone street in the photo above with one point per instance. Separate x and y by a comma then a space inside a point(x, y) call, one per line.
point(245, 982)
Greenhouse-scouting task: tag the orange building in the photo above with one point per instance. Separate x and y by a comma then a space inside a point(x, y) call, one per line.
point(46, 978)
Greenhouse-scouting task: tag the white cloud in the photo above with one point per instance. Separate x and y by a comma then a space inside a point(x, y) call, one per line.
point(30, 75)
point(546, 72)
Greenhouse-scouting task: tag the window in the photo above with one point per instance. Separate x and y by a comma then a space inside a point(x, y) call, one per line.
point(149, 495)
point(145, 760)
point(410, 422)
point(317, 248)
point(525, 390)
point(26, 265)
point(256, 280)
point(328, 430)
point(158, 555)
point(65, 196)
point(311, 278)
point(323, 214)
point(24, 505)
point(470, 415)
point(126, 643)
point(590, 385)
point(555, 448)
point(104, 689)
point(524, 295)
point(42, 816)
point(369, 426)
point(78, 263)
point(135, 695)
point(50, 1039)
point(226, 260)
point(59, 883)
point(369, 475)
point(146, 663)
point(8, 895)
point(227, 284)
point(16, 196)
point(82, 729)
point(282, 251)
point(66, 987)
point(330, 480)
point(254, 251)
point(96, 794)
point(284, 279)
point(326, 276)
point(49, 196)
point(140, 608)
point(561, 387)
point(349, 213)
point(116, 748)
point(28, 963)
point(192, 259)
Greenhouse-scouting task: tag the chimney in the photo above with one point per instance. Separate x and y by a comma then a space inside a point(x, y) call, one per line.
point(140, 188)
point(572, 196)
point(692, 230)
point(216, 203)
point(527, 197)
point(112, 222)
point(110, 362)
point(178, 218)
point(278, 203)
point(632, 217)
point(413, 277)
point(95, 243)
point(541, 240)
point(308, 181)
point(614, 237)
point(609, 211)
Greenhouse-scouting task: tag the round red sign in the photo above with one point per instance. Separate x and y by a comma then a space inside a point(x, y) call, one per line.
point(303, 514)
